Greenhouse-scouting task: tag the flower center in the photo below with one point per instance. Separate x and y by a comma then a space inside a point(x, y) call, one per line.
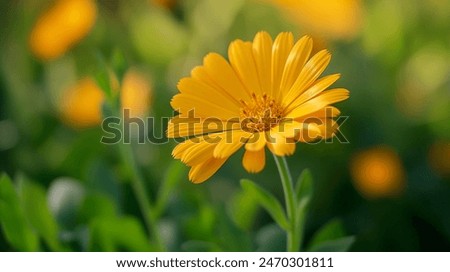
point(261, 113)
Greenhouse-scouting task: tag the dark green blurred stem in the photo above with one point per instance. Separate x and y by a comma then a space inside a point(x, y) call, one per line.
point(137, 182)
point(138, 185)
point(293, 235)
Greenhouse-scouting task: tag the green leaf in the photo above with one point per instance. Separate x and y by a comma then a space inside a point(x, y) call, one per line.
point(243, 210)
point(15, 227)
point(119, 63)
point(102, 76)
point(337, 245)
point(96, 205)
point(330, 231)
point(304, 193)
point(118, 234)
point(34, 202)
point(268, 201)
point(175, 172)
point(331, 237)
point(304, 186)
point(200, 246)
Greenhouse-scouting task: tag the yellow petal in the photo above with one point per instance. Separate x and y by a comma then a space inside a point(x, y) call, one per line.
point(230, 143)
point(223, 75)
point(327, 112)
point(254, 161)
point(184, 126)
point(328, 128)
point(191, 86)
point(310, 72)
point(256, 142)
point(203, 171)
point(319, 102)
point(262, 52)
point(295, 62)
point(184, 103)
point(279, 145)
point(198, 153)
point(318, 87)
point(280, 52)
point(200, 74)
point(310, 132)
point(240, 54)
point(184, 147)
point(288, 128)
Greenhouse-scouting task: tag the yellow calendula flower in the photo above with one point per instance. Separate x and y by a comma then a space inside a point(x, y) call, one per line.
point(81, 105)
point(327, 18)
point(267, 94)
point(136, 93)
point(378, 172)
point(62, 26)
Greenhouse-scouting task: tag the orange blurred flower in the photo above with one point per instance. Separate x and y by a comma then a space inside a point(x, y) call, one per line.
point(378, 172)
point(326, 18)
point(81, 105)
point(439, 158)
point(136, 93)
point(62, 26)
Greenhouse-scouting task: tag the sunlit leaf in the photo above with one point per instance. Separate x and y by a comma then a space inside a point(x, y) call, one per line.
point(14, 225)
point(34, 201)
point(330, 231)
point(304, 186)
point(175, 172)
point(243, 210)
point(118, 234)
point(267, 200)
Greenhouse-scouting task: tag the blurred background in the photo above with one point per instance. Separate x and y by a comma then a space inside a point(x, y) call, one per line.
point(389, 187)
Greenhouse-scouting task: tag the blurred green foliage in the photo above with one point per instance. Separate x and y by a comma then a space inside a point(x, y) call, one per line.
point(65, 191)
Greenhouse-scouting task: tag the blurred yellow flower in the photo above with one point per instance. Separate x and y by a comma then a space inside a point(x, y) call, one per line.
point(62, 26)
point(439, 158)
point(82, 104)
point(378, 172)
point(327, 18)
point(268, 94)
point(136, 94)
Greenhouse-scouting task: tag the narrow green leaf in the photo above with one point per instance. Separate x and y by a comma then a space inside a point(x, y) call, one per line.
point(333, 230)
point(337, 245)
point(34, 201)
point(102, 76)
point(174, 174)
point(268, 201)
point(119, 63)
point(304, 185)
point(15, 228)
point(118, 234)
point(243, 210)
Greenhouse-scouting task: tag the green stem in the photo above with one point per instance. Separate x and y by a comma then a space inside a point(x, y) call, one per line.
point(293, 237)
point(139, 189)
